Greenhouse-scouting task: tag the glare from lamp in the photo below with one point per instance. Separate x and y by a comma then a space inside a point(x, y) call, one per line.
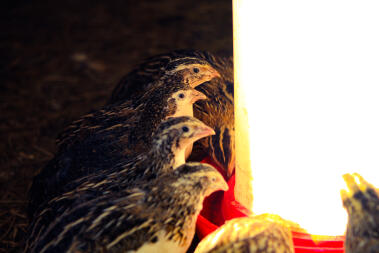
point(307, 91)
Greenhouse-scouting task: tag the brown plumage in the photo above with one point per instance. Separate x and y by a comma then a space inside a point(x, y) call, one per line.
point(190, 65)
point(262, 233)
point(99, 139)
point(217, 111)
point(156, 216)
point(361, 202)
point(166, 153)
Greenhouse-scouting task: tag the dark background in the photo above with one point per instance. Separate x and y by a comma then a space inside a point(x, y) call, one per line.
point(61, 59)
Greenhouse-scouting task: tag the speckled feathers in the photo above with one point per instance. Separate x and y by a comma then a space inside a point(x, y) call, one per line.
point(132, 218)
point(361, 201)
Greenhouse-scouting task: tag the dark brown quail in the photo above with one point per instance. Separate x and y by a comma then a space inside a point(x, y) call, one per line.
point(261, 233)
point(155, 216)
point(217, 111)
point(190, 65)
point(166, 154)
point(98, 140)
point(361, 202)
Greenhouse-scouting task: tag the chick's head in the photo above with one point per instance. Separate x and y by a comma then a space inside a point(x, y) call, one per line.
point(361, 202)
point(258, 233)
point(178, 134)
point(360, 195)
point(191, 66)
point(203, 179)
point(192, 71)
point(183, 100)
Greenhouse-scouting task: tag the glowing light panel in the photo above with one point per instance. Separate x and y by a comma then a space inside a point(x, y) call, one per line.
point(308, 74)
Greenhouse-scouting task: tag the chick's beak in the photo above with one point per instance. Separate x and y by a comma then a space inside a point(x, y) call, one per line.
point(197, 95)
point(203, 131)
point(213, 73)
point(224, 186)
point(207, 74)
point(219, 185)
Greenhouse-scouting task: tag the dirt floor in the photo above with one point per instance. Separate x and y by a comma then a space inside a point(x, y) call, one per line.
point(61, 59)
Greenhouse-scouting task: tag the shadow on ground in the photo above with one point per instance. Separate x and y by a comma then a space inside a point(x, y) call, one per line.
point(61, 59)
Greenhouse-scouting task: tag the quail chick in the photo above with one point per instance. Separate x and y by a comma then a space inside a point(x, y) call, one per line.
point(98, 140)
point(190, 65)
point(249, 234)
point(157, 216)
point(361, 202)
point(166, 154)
point(217, 111)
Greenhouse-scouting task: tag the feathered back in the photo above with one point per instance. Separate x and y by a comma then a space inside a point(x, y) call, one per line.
point(125, 219)
point(361, 201)
point(100, 139)
point(217, 111)
point(152, 69)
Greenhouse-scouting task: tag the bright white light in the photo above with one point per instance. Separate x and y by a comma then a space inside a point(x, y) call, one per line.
point(310, 70)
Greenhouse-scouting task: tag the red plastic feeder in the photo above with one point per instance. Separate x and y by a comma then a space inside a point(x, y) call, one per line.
point(221, 206)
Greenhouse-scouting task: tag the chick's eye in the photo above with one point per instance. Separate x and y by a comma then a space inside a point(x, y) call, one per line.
point(196, 70)
point(181, 95)
point(214, 179)
point(185, 129)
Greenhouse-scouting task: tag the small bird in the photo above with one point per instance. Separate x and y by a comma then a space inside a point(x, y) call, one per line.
point(261, 233)
point(361, 202)
point(217, 111)
point(190, 65)
point(166, 154)
point(156, 216)
point(99, 139)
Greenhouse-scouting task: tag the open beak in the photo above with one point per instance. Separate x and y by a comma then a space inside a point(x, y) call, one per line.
point(197, 95)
